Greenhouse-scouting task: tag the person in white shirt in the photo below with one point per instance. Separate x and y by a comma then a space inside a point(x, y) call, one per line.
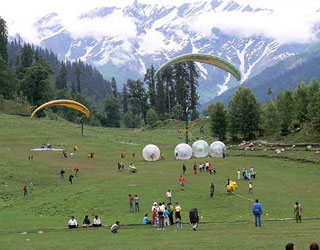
point(115, 227)
point(154, 206)
point(169, 196)
point(238, 174)
point(250, 188)
point(96, 222)
point(72, 223)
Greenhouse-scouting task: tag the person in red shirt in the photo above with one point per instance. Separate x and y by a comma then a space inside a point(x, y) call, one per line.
point(195, 168)
point(182, 181)
point(76, 170)
point(131, 203)
point(25, 191)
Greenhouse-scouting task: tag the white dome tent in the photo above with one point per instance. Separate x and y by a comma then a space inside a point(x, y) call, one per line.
point(217, 148)
point(200, 148)
point(151, 152)
point(183, 151)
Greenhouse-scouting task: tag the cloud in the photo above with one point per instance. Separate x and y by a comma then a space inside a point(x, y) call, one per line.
point(288, 22)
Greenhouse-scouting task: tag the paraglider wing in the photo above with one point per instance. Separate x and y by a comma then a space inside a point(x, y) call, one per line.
point(65, 103)
point(204, 58)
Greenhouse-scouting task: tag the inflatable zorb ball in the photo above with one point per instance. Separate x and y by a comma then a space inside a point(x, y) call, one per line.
point(217, 148)
point(200, 148)
point(151, 153)
point(183, 151)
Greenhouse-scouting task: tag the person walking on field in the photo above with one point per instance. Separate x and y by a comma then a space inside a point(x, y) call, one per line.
point(136, 203)
point(131, 203)
point(184, 169)
point(238, 174)
point(169, 196)
point(76, 170)
point(194, 218)
point(182, 181)
point(257, 211)
point(70, 178)
point(297, 210)
point(212, 188)
point(25, 190)
point(62, 172)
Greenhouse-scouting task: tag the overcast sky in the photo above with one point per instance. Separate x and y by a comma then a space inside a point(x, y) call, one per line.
point(290, 21)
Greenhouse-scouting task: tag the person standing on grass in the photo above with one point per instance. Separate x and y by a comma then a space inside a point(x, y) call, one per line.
point(169, 196)
point(212, 188)
point(238, 174)
point(170, 209)
point(290, 246)
point(62, 172)
point(250, 188)
point(25, 190)
point(136, 203)
point(178, 215)
point(70, 178)
point(257, 211)
point(195, 168)
point(131, 203)
point(182, 181)
point(160, 211)
point(297, 210)
point(184, 169)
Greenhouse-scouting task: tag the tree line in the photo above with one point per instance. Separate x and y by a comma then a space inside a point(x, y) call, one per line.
point(246, 118)
point(146, 102)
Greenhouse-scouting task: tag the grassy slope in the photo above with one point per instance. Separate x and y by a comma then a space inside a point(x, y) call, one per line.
point(101, 190)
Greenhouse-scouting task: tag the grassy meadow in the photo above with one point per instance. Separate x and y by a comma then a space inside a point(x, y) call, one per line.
point(39, 220)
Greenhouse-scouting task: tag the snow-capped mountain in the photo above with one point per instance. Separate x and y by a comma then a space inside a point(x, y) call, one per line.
point(155, 33)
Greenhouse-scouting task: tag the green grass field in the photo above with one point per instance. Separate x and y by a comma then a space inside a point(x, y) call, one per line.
point(100, 189)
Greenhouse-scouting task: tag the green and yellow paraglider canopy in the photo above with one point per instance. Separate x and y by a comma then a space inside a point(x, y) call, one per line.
point(204, 58)
point(65, 103)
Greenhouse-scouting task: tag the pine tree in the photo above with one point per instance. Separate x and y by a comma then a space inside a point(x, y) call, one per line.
point(150, 82)
point(124, 99)
point(8, 81)
point(111, 110)
point(61, 81)
point(271, 118)
point(160, 100)
point(36, 83)
point(286, 109)
point(301, 101)
point(181, 85)
point(77, 72)
point(3, 40)
point(193, 76)
point(138, 98)
point(244, 113)
point(114, 87)
point(152, 117)
point(219, 121)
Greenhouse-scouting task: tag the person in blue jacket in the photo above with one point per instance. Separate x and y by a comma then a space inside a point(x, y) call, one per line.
point(257, 211)
point(145, 220)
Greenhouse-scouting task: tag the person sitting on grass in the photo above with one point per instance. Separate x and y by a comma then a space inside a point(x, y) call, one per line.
point(145, 220)
point(72, 223)
point(96, 222)
point(132, 168)
point(86, 222)
point(115, 227)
